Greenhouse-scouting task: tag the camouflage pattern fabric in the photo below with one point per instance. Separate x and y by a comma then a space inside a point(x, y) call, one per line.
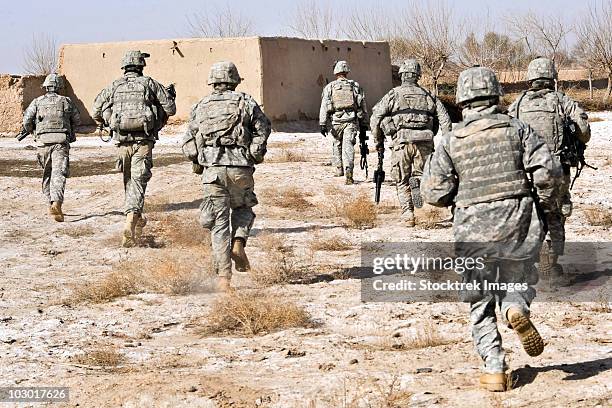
point(50, 116)
point(543, 110)
point(227, 210)
point(54, 160)
point(135, 161)
point(343, 153)
point(506, 231)
point(357, 115)
point(405, 120)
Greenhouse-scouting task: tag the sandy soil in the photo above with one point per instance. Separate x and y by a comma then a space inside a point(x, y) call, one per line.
point(355, 355)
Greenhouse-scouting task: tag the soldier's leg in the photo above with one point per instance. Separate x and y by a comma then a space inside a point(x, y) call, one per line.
point(349, 138)
point(488, 343)
point(44, 160)
point(215, 216)
point(336, 132)
point(514, 305)
point(422, 152)
point(242, 201)
point(401, 171)
point(59, 172)
point(137, 164)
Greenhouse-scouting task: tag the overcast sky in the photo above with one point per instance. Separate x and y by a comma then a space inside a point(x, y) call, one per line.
point(74, 21)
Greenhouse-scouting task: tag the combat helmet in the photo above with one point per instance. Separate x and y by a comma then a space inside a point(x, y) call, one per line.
point(134, 59)
point(541, 68)
point(477, 82)
point(224, 72)
point(53, 81)
point(410, 66)
point(341, 67)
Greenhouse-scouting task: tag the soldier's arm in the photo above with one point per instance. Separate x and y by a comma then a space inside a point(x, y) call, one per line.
point(362, 112)
point(512, 108)
point(29, 117)
point(439, 182)
point(538, 161)
point(260, 130)
point(326, 105)
point(444, 120)
point(379, 112)
point(167, 103)
point(579, 116)
point(101, 104)
point(75, 117)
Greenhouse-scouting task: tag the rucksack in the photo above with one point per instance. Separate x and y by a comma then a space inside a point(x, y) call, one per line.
point(131, 106)
point(219, 120)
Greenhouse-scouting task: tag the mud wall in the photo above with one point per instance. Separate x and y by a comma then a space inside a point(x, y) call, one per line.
point(16, 93)
point(296, 70)
point(89, 68)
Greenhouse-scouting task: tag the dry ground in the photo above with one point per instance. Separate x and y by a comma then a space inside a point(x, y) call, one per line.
point(143, 328)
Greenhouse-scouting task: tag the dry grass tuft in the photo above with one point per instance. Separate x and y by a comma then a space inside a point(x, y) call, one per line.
point(181, 231)
point(176, 276)
point(333, 243)
point(427, 335)
point(79, 231)
point(122, 281)
point(107, 357)
point(368, 392)
point(279, 265)
point(288, 156)
point(253, 313)
point(430, 217)
point(156, 203)
point(598, 216)
point(290, 197)
point(360, 212)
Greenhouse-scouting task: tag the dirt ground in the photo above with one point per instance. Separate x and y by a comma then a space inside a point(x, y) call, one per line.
point(148, 348)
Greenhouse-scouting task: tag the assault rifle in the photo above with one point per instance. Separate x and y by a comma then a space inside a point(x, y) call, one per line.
point(22, 134)
point(572, 149)
point(379, 175)
point(363, 149)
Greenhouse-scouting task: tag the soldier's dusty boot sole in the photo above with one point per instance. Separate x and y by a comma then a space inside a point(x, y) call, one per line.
point(56, 213)
point(528, 335)
point(493, 382)
point(241, 261)
point(415, 191)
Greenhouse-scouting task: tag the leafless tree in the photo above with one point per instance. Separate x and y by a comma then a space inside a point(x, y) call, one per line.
point(220, 22)
point(40, 57)
point(594, 32)
point(310, 19)
point(544, 35)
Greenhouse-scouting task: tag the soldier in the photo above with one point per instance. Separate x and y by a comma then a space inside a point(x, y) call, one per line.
point(343, 100)
point(134, 107)
point(410, 116)
point(546, 110)
point(53, 119)
point(484, 167)
point(227, 136)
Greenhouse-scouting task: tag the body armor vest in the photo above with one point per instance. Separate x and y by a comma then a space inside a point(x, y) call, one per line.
point(52, 115)
point(541, 110)
point(131, 107)
point(487, 154)
point(343, 95)
point(221, 120)
point(416, 108)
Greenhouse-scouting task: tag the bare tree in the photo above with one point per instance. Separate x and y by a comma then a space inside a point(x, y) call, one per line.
point(544, 35)
point(40, 57)
point(493, 50)
point(594, 32)
point(312, 20)
point(220, 22)
point(429, 33)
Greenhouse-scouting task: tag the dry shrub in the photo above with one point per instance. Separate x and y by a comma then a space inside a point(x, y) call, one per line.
point(430, 217)
point(106, 356)
point(288, 156)
point(289, 197)
point(79, 231)
point(279, 265)
point(598, 216)
point(427, 335)
point(333, 243)
point(360, 212)
point(252, 313)
point(369, 392)
point(172, 274)
point(181, 231)
point(282, 145)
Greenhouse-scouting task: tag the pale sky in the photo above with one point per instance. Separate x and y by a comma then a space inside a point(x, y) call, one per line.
point(74, 21)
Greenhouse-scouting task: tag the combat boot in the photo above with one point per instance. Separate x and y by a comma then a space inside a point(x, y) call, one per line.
point(495, 382)
point(56, 211)
point(239, 256)
point(223, 284)
point(528, 335)
point(409, 220)
point(339, 172)
point(140, 223)
point(349, 177)
point(129, 230)
point(415, 191)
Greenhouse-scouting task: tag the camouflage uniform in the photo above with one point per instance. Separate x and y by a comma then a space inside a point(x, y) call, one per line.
point(135, 107)
point(545, 110)
point(53, 119)
point(482, 168)
point(344, 100)
point(227, 136)
point(410, 116)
